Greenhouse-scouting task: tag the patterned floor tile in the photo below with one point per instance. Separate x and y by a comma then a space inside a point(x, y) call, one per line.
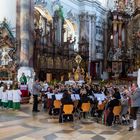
point(50, 137)
point(108, 132)
point(12, 131)
point(86, 132)
point(24, 138)
point(76, 127)
point(65, 131)
point(25, 125)
point(97, 137)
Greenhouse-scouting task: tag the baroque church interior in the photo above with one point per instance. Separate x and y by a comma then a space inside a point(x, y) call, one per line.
point(72, 45)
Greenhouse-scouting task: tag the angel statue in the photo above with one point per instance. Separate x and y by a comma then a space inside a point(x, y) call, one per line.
point(5, 57)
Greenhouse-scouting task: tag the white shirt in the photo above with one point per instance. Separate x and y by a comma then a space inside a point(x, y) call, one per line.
point(16, 95)
point(1, 89)
point(10, 95)
point(45, 87)
point(5, 96)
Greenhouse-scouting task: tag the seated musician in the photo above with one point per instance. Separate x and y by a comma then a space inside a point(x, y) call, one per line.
point(111, 104)
point(75, 89)
point(89, 90)
point(83, 99)
point(66, 100)
point(51, 103)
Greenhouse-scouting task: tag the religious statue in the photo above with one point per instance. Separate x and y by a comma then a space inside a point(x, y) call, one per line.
point(78, 73)
point(121, 5)
point(5, 58)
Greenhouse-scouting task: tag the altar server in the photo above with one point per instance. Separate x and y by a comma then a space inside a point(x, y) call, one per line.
point(10, 97)
point(5, 97)
point(16, 97)
point(1, 90)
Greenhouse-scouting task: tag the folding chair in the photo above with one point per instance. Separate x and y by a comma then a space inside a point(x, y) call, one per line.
point(116, 112)
point(57, 106)
point(85, 108)
point(100, 110)
point(68, 110)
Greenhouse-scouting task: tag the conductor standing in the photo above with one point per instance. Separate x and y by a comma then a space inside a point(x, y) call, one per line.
point(36, 91)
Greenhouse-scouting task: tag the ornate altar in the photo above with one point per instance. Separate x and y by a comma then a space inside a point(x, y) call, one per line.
point(78, 74)
point(7, 53)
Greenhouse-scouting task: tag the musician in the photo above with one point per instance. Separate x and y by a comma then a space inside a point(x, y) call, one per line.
point(66, 100)
point(135, 104)
point(83, 99)
point(114, 102)
point(36, 92)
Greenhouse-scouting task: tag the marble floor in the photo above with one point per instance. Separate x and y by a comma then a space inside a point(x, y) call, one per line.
point(25, 125)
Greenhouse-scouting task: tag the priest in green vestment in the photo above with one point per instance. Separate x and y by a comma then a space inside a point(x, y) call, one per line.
point(23, 79)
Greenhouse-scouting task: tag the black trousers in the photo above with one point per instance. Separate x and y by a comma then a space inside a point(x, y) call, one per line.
point(133, 113)
point(35, 103)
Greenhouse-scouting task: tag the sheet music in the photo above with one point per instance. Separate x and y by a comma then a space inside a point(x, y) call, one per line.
point(73, 97)
point(77, 96)
point(100, 97)
point(49, 95)
point(58, 96)
point(91, 97)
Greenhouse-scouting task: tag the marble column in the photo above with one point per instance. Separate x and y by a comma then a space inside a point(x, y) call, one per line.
point(25, 38)
point(18, 27)
point(24, 32)
point(105, 46)
point(31, 48)
point(84, 27)
point(120, 34)
point(90, 44)
point(115, 33)
point(93, 31)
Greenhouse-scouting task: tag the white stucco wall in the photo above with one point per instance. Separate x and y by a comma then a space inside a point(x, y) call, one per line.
point(8, 11)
